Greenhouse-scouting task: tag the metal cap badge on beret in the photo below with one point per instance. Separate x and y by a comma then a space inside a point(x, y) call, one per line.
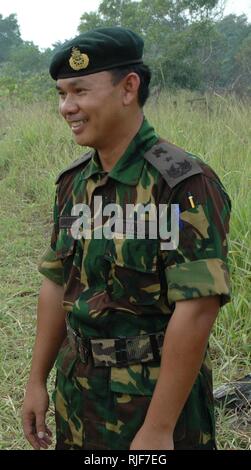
point(97, 50)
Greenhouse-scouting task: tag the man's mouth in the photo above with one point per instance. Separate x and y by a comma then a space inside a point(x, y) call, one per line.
point(77, 124)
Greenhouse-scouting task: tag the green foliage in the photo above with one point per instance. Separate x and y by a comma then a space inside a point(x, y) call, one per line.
point(8, 86)
point(26, 58)
point(187, 43)
point(233, 31)
point(23, 67)
point(243, 58)
point(9, 35)
point(26, 87)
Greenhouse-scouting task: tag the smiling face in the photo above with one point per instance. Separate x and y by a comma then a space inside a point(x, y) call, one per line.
point(93, 107)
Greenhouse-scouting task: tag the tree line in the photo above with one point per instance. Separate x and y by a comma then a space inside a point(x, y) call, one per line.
point(189, 44)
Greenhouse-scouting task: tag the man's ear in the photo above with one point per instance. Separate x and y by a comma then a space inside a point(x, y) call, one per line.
point(131, 85)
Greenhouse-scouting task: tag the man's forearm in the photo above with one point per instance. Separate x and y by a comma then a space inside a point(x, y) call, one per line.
point(184, 347)
point(51, 330)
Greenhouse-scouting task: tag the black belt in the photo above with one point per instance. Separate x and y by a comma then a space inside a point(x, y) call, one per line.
point(117, 352)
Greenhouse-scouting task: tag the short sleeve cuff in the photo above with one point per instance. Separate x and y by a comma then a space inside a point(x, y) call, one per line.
point(199, 278)
point(51, 267)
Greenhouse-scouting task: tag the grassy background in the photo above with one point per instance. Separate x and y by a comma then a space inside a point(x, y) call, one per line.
point(35, 145)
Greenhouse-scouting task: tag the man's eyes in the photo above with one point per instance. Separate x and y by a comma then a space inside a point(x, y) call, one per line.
point(79, 91)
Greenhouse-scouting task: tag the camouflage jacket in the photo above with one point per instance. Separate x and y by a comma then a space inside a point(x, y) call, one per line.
point(124, 286)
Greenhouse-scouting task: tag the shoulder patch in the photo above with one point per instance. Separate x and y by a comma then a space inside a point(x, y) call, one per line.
point(87, 156)
point(172, 162)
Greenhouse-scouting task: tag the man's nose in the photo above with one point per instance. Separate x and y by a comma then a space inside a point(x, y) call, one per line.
point(68, 106)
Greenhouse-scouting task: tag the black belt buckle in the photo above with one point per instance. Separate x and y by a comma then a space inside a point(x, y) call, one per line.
point(156, 345)
point(83, 350)
point(121, 352)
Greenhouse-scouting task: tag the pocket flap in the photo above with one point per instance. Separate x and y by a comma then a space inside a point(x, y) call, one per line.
point(137, 254)
point(138, 379)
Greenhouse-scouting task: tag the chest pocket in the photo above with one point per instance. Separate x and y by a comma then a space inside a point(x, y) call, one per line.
point(134, 270)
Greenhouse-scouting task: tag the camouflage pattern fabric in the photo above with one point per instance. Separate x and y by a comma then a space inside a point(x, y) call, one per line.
point(102, 408)
point(129, 287)
point(117, 352)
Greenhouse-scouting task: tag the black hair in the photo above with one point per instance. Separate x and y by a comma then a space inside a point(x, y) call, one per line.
point(144, 74)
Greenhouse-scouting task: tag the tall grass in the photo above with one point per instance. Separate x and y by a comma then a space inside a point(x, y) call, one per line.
point(34, 145)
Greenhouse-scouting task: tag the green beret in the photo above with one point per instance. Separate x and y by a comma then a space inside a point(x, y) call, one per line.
point(97, 50)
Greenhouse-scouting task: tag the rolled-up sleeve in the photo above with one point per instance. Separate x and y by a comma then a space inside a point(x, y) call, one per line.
point(198, 267)
point(51, 267)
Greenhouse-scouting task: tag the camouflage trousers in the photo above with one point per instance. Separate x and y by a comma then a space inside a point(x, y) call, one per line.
point(91, 415)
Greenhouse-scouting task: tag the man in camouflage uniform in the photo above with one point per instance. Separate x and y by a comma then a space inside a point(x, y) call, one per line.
point(133, 370)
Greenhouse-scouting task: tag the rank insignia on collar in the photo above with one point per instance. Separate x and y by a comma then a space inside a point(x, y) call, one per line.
point(78, 61)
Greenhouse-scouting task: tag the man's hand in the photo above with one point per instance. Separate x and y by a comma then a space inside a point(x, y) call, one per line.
point(152, 439)
point(34, 410)
point(51, 331)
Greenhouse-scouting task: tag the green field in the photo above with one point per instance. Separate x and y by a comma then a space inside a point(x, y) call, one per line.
point(34, 145)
